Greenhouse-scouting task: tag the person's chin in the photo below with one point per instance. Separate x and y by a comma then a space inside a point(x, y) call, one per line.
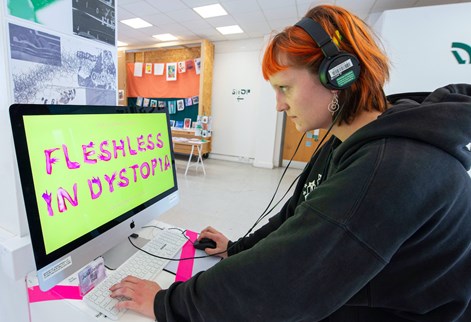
point(300, 128)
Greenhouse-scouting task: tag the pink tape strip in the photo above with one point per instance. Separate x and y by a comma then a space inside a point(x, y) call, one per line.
point(58, 292)
point(62, 292)
point(185, 268)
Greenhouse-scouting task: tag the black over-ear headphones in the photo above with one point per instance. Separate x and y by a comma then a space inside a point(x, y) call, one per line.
point(339, 69)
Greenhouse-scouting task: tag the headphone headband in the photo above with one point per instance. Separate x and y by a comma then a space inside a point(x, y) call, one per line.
point(338, 70)
point(318, 34)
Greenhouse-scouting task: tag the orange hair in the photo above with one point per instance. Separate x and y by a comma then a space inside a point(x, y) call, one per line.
point(293, 47)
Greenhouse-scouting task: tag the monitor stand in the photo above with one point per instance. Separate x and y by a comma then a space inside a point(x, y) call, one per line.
point(121, 252)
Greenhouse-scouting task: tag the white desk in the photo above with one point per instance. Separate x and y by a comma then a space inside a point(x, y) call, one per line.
point(54, 307)
point(199, 156)
point(75, 310)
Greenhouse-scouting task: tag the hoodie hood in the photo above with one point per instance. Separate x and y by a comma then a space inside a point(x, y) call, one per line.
point(441, 118)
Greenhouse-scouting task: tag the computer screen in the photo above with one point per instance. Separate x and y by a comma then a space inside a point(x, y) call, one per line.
point(90, 176)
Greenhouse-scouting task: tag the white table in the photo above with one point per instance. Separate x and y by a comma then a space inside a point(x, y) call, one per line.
point(52, 307)
point(193, 143)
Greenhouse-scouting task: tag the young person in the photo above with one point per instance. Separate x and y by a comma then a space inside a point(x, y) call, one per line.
point(378, 228)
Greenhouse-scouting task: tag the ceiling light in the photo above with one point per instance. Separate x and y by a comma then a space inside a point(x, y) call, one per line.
point(136, 23)
point(165, 37)
point(122, 44)
point(212, 10)
point(228, 30)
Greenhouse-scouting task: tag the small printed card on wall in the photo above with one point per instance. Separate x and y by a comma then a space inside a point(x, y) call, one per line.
point(172, 107)
point(181, 67)
point(187, 123)
point(190, 64)
point(198, 66)
point(180, 105)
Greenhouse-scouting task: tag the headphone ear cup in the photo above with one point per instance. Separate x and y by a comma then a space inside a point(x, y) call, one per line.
point(340, 71)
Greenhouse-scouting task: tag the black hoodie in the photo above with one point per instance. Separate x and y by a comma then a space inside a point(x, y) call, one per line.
point(377, 230)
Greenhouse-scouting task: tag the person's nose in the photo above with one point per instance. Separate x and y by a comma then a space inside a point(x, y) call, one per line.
point(281, 105)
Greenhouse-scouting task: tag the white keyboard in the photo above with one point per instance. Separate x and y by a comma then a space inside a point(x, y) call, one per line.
point(165, 244)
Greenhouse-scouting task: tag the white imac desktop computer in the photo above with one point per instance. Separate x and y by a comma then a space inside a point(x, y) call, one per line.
point(91, 176)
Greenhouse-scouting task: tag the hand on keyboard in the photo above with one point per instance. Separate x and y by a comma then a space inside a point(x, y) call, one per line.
point(140, 294)
point(143, 268)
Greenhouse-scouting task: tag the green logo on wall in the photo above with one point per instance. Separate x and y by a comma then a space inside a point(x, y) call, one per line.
point(464, 47)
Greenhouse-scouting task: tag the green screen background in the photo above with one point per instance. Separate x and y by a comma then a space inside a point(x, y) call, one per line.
point(48, 132)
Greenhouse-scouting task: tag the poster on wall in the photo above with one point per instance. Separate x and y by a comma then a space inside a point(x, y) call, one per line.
point(44, 12)
point(158, 69)
point(47, 68)
point(95, 19)
point(171, 71)
point(148, 68)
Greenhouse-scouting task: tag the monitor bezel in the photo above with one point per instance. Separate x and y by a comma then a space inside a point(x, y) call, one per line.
point(43, 260)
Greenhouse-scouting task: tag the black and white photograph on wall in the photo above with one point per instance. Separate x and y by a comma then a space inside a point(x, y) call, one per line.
point(34, 46)
point(96, 70)
point(46, 68)
point(95, 19)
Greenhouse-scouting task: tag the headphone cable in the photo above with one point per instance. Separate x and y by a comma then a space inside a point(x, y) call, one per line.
point(264, 213)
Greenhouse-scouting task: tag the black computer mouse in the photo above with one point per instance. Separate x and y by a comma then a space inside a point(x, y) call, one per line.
point(204, 243)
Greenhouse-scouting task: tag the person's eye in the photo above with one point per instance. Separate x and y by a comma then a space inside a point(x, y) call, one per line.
point(283, 89)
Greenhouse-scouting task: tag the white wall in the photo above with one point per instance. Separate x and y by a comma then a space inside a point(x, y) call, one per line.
point(8, 218)
point(13, 302)
point(13, 228)
point(245, 129)
point(418, 42)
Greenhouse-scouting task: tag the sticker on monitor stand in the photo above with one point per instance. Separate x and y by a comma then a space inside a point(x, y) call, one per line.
point(66, 262)
point(91, 275)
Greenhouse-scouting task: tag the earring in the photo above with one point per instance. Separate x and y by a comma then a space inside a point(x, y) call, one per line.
point(334, 105)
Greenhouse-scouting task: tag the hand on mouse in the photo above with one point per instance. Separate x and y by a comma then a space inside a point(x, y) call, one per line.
point(219, 238)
